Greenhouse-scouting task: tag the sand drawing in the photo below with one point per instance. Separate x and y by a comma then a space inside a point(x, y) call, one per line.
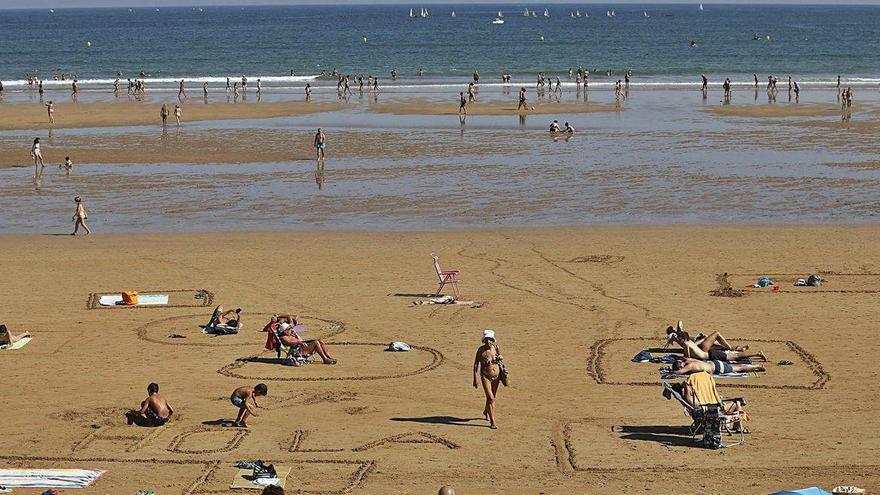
point(232, 370)
point(158, 331)
point(198, 298)
point(820, 377)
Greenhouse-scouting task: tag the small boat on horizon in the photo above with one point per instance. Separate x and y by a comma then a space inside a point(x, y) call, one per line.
point(412, 14)
point(701, 7)
point(500, 15)
point(526, 13)
point(498, 21)
point(546, 13)
point(453, 13)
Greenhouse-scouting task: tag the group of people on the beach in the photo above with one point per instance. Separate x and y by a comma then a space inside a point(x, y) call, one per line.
point(282, 332)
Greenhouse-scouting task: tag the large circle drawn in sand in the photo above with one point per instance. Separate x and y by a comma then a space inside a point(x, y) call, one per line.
point(357, 361)
point(158, 331)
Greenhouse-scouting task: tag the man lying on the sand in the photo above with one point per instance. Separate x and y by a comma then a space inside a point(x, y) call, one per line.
point(245, 400)
point(690, 365)
point(231, 318)
point(714, 347)
point(156, 407)
point(7, 338)
point(290, 338)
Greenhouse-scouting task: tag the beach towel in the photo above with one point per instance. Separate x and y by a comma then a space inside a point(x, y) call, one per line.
point(704, 388)
point(244, 478)
point(143, 300)
point(48, 478)
point(669, 375)
point(18, 345)
point(804, 491)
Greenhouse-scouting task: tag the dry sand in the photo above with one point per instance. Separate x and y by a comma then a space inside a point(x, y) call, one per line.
point(570, 306)
point(100, 114)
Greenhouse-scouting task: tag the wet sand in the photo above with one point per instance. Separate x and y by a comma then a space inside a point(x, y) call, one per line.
point(423, 107)
point(570, 307)
point(778, 110)
point(104, 114)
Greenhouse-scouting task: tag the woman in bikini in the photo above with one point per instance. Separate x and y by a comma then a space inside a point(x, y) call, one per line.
point(487, 370)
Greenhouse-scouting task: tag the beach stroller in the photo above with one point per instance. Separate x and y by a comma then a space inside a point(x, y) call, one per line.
point(447, 277)
point(293, 355)
point(708, 416)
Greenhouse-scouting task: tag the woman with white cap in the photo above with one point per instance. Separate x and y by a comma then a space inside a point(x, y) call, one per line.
point(489, 370)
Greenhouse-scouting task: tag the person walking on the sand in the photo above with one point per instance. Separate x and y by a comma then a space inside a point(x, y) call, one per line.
point(79, 218)
point(489, 371)
point(320, 144)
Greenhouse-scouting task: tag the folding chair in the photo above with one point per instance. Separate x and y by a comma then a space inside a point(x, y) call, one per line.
point(447, 277)
point(709, 407)
point(292, 354)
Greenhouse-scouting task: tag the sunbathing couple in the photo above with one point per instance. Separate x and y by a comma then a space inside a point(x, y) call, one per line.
point(284, 327)
point(712, 354)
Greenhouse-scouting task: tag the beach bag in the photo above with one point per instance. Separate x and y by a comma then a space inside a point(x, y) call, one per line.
point(504, 376)
point(129, 298)
point(711, 428)
point(814, 281)
point(399, 347)
point(264, 470)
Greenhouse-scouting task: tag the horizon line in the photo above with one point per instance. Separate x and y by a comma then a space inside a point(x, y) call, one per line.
point(391, 3)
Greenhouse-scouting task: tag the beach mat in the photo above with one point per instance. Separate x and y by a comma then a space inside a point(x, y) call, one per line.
point(672, 376)
point(48, 478)
point(243, 478)
point(143, 300)
point(18, 345)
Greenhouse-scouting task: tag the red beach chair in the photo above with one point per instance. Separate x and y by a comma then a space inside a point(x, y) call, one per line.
point(447, 277)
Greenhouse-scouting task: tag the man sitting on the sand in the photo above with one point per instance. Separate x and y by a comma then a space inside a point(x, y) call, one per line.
point(711, 348)
point(690, 365)
point(155, 409)
point(245, 400)
point(7, 338)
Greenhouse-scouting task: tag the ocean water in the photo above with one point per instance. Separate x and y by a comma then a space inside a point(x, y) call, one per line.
point(812, 43)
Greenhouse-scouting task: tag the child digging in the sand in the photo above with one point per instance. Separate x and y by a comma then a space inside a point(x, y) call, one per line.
point(245, 400)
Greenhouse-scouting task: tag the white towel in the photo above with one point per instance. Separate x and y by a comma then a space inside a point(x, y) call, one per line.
point(48, 478)
point(143, 299)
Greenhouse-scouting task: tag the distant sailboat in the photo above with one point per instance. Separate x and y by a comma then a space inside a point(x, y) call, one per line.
point(526, 13)
point(411, 14)
point(534, 14)
point(51, 11)
point(607, 13)
point(646, 13)
point(453, 13)
point(498, 20)
point(546, 13)
point(500, 15)
point(613, 14)
point(701, 7)
point(577, 13)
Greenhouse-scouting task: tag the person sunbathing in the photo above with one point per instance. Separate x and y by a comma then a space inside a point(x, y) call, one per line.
point(716, 367)
point(712, 348)
point(727, 407)
point(155, 408)
point(290, 338)
point(231, 318)
point(7, 337)
point(277, 320)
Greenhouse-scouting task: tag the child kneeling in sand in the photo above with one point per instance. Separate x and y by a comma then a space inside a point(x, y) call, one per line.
point(245, 400)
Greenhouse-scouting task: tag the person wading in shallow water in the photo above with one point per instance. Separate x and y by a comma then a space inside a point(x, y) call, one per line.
point(320, 144)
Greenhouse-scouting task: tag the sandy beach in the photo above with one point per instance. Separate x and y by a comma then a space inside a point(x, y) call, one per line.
point(126, 113)
point(570, 307)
